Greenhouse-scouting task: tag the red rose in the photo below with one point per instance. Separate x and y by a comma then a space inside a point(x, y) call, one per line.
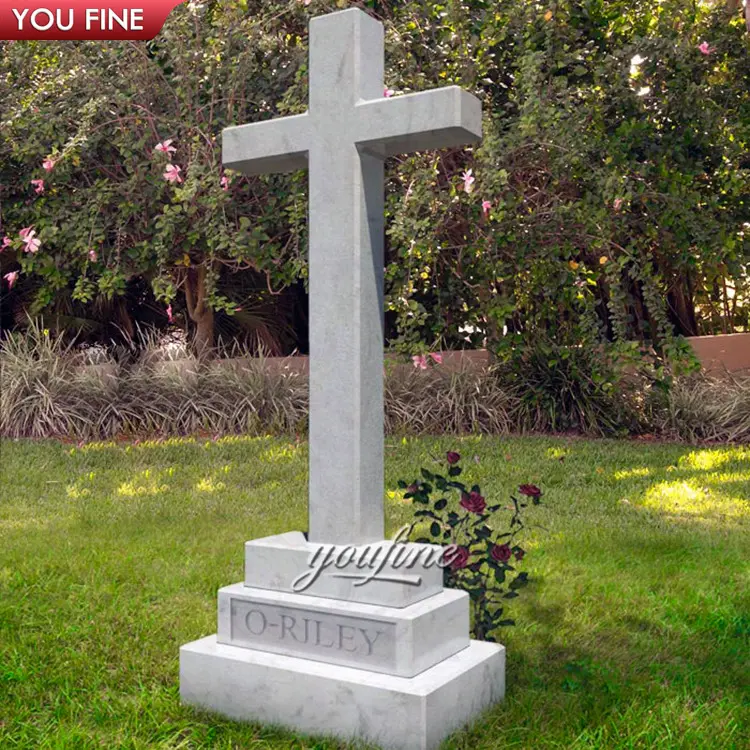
point(501, 553)
point(458, 557)
point(473, 502)
point(519, 554)
point(453, 457)
point(413, 488)
point(530, 490)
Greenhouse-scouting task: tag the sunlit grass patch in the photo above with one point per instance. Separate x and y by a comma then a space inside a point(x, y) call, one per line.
point(641, 471)
point(284, 452)
point(693, 499)
point(711, 459)
point(147, 482)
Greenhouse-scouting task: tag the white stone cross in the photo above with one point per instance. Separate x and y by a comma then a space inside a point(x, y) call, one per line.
point(343, 140)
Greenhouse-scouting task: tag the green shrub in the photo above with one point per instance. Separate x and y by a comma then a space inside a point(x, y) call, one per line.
point(480, 558)
point(578, 388)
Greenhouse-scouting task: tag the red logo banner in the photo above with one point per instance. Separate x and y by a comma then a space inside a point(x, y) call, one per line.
point(83, 19)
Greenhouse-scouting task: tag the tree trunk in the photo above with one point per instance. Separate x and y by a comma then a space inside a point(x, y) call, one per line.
point(203, 338)
point(679, 299)
point(200, 312)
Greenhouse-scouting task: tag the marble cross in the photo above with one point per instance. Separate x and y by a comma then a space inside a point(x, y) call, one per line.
point(350, 128)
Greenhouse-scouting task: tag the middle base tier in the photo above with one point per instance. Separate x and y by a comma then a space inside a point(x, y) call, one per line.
point(398, 641)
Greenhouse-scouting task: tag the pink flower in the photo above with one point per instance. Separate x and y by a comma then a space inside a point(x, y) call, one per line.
point(452, 457)
point(166, 147)
point(437, 358)
point(486, 206)
point(388, 93)
point(32, 246)
point(92, 256)
point(7, 242)
point(170, 317)
point(469, 180)
point(225, 183)
point(617, 204)
point(29, 238)
point(706, 48)
point(11, 278)
point(173, 173)
point(48, 164)
point(420, 361)
point(38, 186)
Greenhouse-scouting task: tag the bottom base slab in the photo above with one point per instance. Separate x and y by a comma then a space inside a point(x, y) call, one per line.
point(399, 713)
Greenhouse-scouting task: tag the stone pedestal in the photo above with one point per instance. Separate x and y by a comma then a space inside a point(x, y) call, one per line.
point(388, 662)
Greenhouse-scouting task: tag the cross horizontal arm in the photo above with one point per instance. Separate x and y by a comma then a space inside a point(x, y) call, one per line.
point(279, 145)
point(441, 118)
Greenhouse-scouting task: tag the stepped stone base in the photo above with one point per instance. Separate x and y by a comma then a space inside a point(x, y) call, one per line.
point(398, 713)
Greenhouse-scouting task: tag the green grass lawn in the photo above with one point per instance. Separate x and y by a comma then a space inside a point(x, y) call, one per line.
point(634, 633)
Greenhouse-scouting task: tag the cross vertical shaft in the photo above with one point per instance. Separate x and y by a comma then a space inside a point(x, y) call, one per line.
point(346, 287)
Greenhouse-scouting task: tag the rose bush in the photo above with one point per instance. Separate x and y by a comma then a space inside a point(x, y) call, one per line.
point(480, 556)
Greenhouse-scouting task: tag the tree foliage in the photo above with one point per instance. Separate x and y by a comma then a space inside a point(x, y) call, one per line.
point(608, 201)
point(126, 139)
point(614, 173)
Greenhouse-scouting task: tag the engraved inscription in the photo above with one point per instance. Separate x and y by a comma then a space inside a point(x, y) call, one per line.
point(312, 634)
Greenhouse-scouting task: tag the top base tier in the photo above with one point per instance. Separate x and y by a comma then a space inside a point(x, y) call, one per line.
point(384, 573)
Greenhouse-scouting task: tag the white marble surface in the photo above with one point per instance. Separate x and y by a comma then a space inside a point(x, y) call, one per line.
point(396, 713)
point(400, 642)
point(343, 140)
point(275, 562)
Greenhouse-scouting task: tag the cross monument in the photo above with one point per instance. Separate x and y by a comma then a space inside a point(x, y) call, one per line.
point(342, 140)
point(331, 633)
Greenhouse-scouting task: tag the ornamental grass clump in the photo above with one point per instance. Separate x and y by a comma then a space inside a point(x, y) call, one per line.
point(707, 408)
point(437, 401)
point(45, 391)
point(482, 558)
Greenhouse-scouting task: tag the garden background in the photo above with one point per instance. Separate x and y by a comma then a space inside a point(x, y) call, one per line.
point(603, 218)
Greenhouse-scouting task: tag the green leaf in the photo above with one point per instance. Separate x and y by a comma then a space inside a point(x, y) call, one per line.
point(440, 504)
point(424, 514)
point(454, 471)
point(435, 529)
